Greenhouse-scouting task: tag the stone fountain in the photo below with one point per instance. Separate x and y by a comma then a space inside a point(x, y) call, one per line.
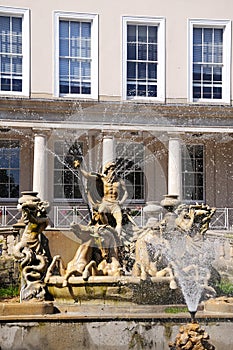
point(116, 263)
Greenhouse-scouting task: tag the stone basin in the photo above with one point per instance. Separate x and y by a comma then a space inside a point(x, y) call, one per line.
point(102, 289)
point(219, 305)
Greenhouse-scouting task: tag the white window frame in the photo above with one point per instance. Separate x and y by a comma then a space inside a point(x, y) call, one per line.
point(226, 72)
point(25, 15)
point(155, 21)
point(93, 18)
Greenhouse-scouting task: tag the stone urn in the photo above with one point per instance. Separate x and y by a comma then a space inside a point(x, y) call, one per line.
point(27, 196)
point(152, 211)
point(170, 201)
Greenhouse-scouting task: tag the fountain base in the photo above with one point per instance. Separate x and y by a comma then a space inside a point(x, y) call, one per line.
point(219, 305)
point(111, 289)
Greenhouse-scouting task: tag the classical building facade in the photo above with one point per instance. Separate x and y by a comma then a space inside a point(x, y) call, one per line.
point(148, 85)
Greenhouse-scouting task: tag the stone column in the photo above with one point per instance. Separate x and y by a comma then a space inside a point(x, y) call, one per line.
point(108, 154)
point(174, 166)
point(40, 164)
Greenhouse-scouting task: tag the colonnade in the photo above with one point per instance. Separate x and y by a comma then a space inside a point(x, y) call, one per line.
point(174, 184)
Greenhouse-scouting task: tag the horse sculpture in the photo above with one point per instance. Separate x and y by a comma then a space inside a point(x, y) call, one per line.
point(153, 248)
point(97, 255)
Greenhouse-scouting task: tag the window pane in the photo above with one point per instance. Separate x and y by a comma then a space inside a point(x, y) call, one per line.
point(197, 36)
point(63, 47)
point(75, 69)
point(196, 73)
point(64, 29)
point(142, 33)
point(218, 54)
point(141, 71)
point(131, 51)
point(207, 74)
point(64, 86)
point(131, 89)
point(152, 71)
point(217, 92)
point(16, 85)
point(141, 90)
point(86, 88)
point(207, 92)
point(64, 67)
point(86, 30)
point(5, 25)
point(152, 34)
point(218, 36)
point(131, 33)
point(131, 70)
point(152, 90)
point(86, 70)
point(208, 36)
point(152, 52)
point(142, 52)
point(207, 53)
point(197, 92)
point(17, 65)
point(85, 49)
point(75, 49)
point(16, 44)
point(5, 84)
point(197, 54)
point(17, 26)
point(74, 30)
point(5, 64)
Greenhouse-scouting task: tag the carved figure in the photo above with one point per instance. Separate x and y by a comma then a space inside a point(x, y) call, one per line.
point(194, 219)
point(30, 252)
point(97, 255)
point(148, 260)
point(104, 192)
point(190, 220)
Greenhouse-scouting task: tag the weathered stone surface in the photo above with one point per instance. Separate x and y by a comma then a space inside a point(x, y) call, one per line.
point(9, 271)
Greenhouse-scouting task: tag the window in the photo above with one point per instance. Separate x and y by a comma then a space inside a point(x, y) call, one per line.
point(14, 51)
point(76, 55)
point(193, 172)
point(130, 160)
point(210, 61)
point(144, 58)
point(9, 168)
point(66, 179)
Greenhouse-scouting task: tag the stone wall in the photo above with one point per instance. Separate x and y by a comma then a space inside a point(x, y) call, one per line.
point(9, 271)
point(103, 335)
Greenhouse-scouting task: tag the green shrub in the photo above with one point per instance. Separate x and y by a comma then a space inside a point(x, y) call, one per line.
point(9, 292)
point(225, 288)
